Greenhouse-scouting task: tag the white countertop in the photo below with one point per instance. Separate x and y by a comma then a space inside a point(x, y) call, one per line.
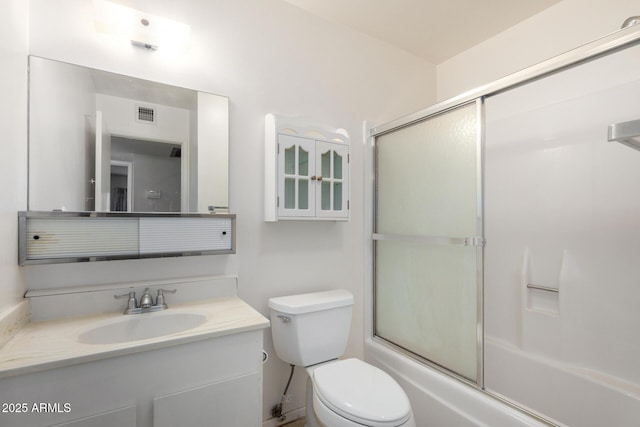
point(51, 344)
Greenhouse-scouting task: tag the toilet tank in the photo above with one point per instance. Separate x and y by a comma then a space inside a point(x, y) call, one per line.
point(311, 328)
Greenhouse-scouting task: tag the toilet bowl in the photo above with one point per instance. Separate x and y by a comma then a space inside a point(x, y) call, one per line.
point(311, 331)
point(348, 393)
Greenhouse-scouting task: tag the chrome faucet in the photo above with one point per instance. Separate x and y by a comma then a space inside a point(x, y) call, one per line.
point(146, 301)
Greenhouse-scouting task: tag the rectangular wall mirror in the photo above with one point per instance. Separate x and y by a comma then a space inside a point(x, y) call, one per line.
point(105, 142)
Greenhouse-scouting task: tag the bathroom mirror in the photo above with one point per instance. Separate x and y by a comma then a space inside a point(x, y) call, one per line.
point(100, 141)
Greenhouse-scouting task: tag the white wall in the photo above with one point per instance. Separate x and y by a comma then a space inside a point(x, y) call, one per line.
point(558, 29)
point(267, 56)
point(13, 128)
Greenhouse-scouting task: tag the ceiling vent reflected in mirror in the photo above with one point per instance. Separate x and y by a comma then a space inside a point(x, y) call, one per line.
point(146, 114)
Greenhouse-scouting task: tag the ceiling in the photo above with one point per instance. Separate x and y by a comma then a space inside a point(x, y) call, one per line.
point(434, 30)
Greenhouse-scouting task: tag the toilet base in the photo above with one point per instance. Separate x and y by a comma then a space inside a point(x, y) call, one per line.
point(310, 416)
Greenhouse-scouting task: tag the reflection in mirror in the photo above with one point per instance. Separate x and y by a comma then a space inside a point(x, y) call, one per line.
point(157, 182)
point(100, 141)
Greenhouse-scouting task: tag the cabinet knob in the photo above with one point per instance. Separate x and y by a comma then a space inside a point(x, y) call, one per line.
point(319, 178)
point(313, 178)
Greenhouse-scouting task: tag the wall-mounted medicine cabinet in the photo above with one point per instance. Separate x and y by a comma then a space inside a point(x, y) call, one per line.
point(306, 171)
point(61, 237)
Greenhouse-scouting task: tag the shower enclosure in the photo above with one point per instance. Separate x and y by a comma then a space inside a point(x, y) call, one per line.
point(506, 240)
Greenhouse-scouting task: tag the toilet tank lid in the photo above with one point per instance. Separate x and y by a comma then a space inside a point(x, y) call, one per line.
point(316, 301)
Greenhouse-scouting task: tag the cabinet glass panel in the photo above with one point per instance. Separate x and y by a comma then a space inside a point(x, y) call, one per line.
point(337, 196)
point(325, 204)
point(303, 194)
point(337, 166)
point(326, 164)
point(290, 193)
point(290, 160)
point(303, 162)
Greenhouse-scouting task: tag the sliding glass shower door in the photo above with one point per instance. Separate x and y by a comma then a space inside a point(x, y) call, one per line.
point(428, 240)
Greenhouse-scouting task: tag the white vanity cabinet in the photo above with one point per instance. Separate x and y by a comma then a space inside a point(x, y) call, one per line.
point(306, 171)
point(211, 382)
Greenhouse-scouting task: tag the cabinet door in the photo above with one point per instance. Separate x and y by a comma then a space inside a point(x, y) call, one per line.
point(332, 183)
point(236, 402)
point(296, 194)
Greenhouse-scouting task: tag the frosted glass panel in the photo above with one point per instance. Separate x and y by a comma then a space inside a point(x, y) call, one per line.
point(426, 297)
point(426, 302)
point(426, 176)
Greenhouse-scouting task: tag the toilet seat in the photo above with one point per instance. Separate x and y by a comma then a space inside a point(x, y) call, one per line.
point(361, 393)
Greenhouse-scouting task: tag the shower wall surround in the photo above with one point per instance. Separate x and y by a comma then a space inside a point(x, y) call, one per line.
point(561, 260)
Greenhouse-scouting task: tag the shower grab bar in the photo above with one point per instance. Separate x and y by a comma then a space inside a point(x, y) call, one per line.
point(436, 240)
point(627, 133)
point(543, 288)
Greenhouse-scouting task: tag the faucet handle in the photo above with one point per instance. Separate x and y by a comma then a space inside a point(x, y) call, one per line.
point(160, 299)
point(130, 294)
point(132, 303)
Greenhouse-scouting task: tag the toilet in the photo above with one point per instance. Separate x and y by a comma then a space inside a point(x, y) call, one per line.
point(311, 330)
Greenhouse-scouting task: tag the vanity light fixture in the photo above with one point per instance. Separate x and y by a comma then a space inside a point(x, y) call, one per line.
point(143, 29)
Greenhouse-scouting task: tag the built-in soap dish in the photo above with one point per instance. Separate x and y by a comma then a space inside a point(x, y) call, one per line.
point(540, 295)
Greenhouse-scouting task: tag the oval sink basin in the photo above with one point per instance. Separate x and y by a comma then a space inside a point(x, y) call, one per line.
point(137, 327)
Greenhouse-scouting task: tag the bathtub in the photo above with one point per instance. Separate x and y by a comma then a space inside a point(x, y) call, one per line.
point(564, 394)
point(574, 396)
point(440, 401)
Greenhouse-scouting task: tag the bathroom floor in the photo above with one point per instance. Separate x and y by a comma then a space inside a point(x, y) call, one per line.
point(296, 423)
